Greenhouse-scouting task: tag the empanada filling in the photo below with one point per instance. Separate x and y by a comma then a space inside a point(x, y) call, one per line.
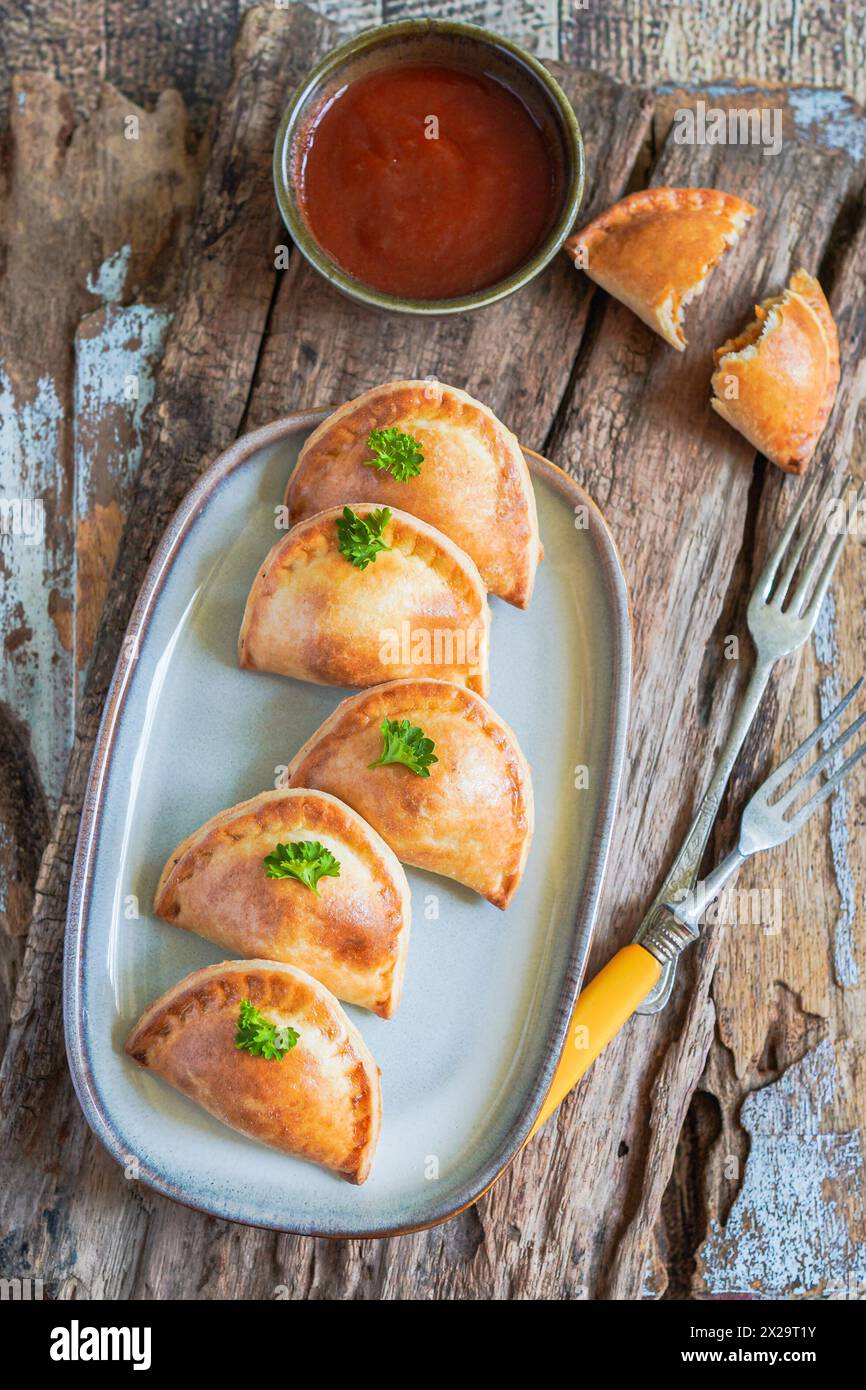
point(746, 344)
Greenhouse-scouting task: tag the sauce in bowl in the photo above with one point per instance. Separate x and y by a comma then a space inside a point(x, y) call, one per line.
point(428, 182)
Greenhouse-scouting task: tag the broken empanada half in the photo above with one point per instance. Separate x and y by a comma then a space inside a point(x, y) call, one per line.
point(231, 882)
point(470, 817)
point(418, 608)
point(473, 482)
point(655, 250)
point(776, 382)
point(320, 1100)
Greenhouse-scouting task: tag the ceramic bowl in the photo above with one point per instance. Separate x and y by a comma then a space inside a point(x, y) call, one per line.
point(451, 45)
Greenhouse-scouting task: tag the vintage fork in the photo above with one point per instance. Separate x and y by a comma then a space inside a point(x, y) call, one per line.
point(616, 991)
point(776, 631)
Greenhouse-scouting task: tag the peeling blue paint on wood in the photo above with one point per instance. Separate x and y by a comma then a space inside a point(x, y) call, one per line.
point(788, 1231)
point(7, 848)
point(827, 118)
point(115, 356)
point(117, 353)
point(30, 486)
point(110, 278)
point(831, 118)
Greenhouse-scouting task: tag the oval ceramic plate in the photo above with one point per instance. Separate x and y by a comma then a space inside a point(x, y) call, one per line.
point(469, 1056)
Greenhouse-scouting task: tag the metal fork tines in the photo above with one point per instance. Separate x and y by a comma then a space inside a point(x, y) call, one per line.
point(780, 618)
point(766, 823)
point(782, 613)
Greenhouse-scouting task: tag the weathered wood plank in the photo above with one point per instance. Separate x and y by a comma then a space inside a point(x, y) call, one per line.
point(140, 48)
point(790, 990)
point(532, 23)
point(208, 368)
point(764, 1026)
point(24, 830)
point(539, 1233)
point(830, 119)
point(675, 488)
point(117, 352)
point(796, 1226)
point(772, 41)
point(89, 215)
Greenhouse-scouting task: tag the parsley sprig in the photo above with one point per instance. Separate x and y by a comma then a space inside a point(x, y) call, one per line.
point(360, 537)
point(305, 860)
point(261, 1038)
point(396, 452)
point(405, 743)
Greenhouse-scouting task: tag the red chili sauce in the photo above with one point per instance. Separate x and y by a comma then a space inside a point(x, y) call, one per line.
point(428, 182)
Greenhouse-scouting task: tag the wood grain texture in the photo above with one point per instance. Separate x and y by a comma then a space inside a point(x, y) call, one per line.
point(666, 1172)
point(142, 47)
point(89, 217)
point(794, 41)
point(790, 988)
point(207, 371)
point(680, 530)
point(24, 831)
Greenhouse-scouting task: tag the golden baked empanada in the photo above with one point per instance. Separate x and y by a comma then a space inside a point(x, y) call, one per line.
point(417, 607)
point(470, 816)
point(317, 1098)
point(473, 482)
point(655, 250)
point(349, 928)
point(776, 382)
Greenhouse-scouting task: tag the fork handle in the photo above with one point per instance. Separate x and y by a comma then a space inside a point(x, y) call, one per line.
point(683, 872)
point(606, 1002)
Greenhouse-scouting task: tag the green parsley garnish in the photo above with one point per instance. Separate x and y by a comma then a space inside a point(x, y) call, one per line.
point(305, 860)
point(361, 537)
point(260, 1038)
point(396, 452)
point(405, 743)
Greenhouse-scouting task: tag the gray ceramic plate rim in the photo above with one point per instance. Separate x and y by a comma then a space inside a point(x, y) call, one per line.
point(97, 1113)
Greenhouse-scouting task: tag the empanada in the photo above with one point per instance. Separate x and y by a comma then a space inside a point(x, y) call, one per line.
point(776, 382)
point(473, 482)
point(656, 248)
point(418, 608)
point(471, 818)
point(320, 1101)
point(349, 930)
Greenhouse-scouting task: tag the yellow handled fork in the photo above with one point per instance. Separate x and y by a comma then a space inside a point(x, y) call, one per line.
point(616, 991)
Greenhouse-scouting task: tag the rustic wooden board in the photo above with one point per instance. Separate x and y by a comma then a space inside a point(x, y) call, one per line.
point(681, 530)
point(790, 990)
point(207, 370)
point(89, 217)
point(591, 1207)
point(143, 47)
point(695, 44)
